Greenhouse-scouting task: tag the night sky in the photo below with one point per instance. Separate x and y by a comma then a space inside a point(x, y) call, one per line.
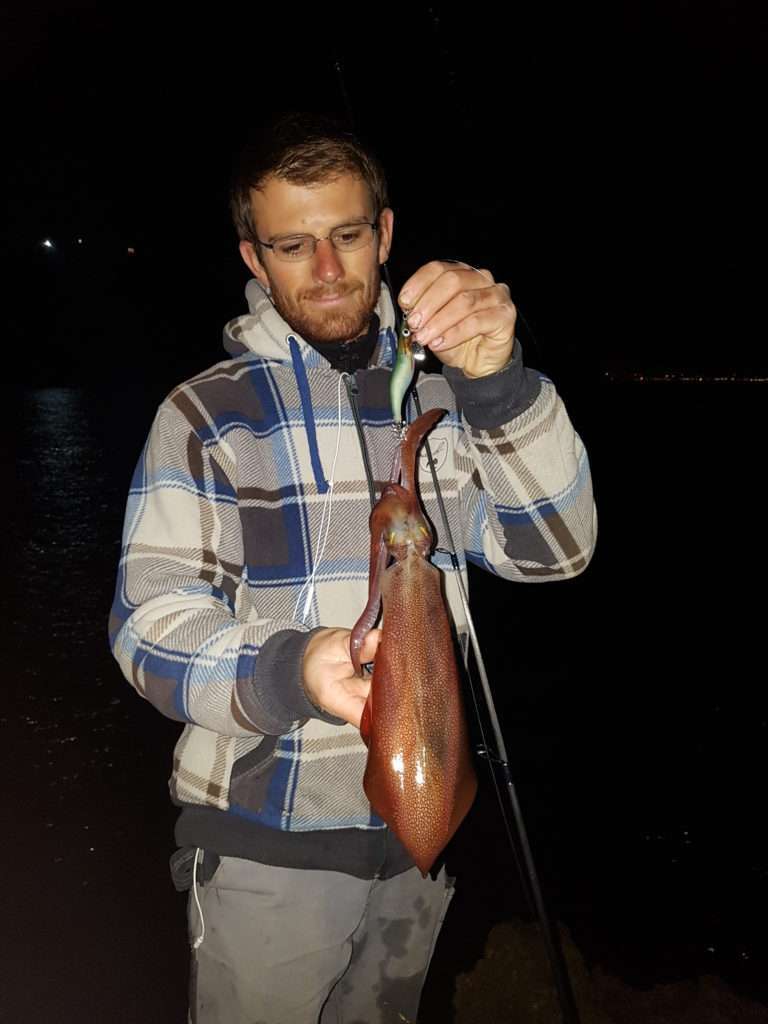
point(604, 164)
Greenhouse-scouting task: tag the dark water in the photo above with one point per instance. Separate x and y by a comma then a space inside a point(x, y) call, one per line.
point(632, 701)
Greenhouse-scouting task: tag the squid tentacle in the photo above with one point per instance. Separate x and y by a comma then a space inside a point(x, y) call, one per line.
point(367, 620)
point(410, 446)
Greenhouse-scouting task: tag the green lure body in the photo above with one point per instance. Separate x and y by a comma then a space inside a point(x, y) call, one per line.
point(402, 372)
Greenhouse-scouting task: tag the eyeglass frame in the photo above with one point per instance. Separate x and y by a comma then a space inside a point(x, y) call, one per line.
point(373, 224)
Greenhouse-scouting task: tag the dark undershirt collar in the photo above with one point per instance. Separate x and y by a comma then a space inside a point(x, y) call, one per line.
point(348, 356)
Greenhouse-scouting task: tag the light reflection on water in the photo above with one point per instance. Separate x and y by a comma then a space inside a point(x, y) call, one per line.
point(72, 713)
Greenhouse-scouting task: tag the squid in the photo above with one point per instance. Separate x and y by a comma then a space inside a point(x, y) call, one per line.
point(419, 776)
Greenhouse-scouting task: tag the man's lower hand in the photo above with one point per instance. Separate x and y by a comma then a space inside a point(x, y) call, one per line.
point(329, 678)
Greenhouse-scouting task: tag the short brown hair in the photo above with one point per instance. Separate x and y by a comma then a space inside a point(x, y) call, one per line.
point(304, 149)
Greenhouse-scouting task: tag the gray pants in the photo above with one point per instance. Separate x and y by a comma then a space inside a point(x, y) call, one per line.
point(289, 946)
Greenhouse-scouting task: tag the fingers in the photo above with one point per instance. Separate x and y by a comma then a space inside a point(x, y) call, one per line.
point(343, 696)
point(429, 287)
point(420, 282)
point(370, 645)
point(329, 678)
point(352, 710)
point(346, 699)
point(357, 688)
point(331, 650)
point(450, 304)
point(468, 314)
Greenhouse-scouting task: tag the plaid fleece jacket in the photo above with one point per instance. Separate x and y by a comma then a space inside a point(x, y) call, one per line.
point(252, 479)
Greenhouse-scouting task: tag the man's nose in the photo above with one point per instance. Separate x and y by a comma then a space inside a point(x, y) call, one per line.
point(327, 265)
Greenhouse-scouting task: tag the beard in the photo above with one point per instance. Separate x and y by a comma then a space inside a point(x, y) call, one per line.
point(318, 326)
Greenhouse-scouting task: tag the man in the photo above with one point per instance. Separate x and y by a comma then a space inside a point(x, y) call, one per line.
point(245, 564)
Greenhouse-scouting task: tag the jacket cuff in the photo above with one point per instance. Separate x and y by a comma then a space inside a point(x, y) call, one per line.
point(489, 402)
point(278, 685)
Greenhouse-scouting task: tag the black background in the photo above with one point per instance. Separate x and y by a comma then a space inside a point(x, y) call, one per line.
point(606, 164)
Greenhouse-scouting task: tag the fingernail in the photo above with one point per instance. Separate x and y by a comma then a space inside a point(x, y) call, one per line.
point(414, 319)
point(405, 300)
point(437, 343)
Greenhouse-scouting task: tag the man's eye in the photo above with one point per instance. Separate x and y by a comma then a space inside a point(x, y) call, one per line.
point(347, 235)
point(292, 247)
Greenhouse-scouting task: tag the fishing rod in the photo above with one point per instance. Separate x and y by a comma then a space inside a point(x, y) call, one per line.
point(498, 758)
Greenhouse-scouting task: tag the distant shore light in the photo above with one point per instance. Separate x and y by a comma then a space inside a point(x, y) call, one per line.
point(131, 251)
point(47, 243)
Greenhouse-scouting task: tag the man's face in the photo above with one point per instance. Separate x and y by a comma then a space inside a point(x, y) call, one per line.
point(330, 296)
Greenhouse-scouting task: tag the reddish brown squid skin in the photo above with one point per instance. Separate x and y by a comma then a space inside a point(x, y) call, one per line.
point(419, 776)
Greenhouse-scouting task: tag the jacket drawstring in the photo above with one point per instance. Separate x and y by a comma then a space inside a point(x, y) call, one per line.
point(309, 416)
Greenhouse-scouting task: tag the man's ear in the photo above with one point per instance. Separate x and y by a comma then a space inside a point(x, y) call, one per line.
point(251, 260)
point(386, 224)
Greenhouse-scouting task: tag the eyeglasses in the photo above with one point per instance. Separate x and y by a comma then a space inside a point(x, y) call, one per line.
point(346, 238)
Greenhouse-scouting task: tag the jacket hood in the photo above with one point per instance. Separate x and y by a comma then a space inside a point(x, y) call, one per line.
point(263, 331)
